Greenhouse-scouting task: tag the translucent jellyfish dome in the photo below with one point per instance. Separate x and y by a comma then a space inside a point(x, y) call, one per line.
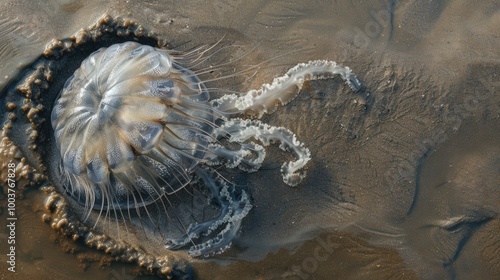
point(130, 125)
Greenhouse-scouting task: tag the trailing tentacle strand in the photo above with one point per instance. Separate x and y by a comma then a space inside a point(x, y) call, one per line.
point(283, 89)
point(240, 130)
point(241, 158)
point(234, 207)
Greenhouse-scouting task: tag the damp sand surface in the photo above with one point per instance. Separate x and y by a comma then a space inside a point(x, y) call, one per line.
point(403, 182)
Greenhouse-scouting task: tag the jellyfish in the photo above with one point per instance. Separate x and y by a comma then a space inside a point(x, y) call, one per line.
point(133, 126)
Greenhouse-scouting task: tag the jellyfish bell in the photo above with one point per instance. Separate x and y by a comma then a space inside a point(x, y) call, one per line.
point(130, 126)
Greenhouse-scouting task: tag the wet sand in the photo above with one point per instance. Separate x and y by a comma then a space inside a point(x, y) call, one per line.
point(431, 116)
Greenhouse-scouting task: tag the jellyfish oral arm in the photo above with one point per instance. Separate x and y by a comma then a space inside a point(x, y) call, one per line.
point(234, 207)
point(283, 89)
point(240, 130)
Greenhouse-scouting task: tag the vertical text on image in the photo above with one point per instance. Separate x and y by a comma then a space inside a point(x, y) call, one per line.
point(11, 216)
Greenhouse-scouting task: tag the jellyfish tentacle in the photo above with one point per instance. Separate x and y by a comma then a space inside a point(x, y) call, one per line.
point(234, 207)
point(237, 158)
point(241, 130)
point(283, 89)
